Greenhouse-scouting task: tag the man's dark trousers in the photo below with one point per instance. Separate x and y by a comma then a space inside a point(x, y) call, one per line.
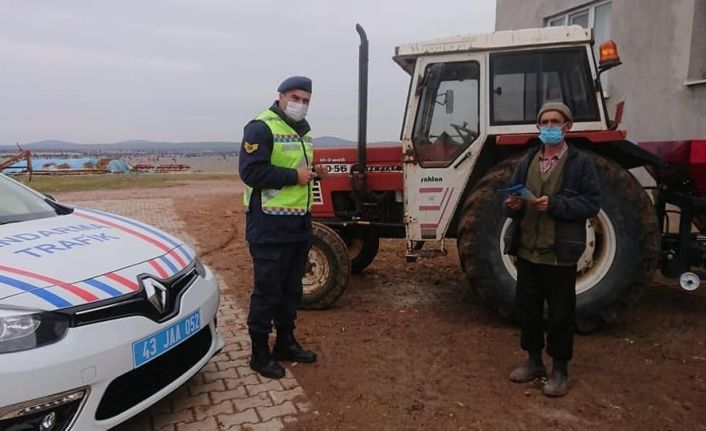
point(278, 269)
point(557, 285)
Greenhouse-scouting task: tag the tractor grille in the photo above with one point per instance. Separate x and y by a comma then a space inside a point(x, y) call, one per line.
point(141, 383)
point(318, 197)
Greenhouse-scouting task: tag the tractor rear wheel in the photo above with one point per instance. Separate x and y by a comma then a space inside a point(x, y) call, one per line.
point(620, 258)
point(363, 244)
point(327, 270)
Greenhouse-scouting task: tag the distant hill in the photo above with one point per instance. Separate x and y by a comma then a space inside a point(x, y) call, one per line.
point(332, 141)
point(132, 146)
point(140, 145)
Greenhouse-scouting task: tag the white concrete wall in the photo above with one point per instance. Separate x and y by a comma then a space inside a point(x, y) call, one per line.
point(654, 39)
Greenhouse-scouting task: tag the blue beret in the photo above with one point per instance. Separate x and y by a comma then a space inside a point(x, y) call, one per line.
point(295, 83)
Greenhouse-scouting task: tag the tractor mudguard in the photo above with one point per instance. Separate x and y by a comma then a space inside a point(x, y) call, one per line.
point(627, 154)
point(609, 143)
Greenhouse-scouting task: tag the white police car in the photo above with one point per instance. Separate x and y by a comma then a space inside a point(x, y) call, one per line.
point(100, 315)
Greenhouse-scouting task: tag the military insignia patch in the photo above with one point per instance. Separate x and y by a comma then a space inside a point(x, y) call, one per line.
point(250, 148)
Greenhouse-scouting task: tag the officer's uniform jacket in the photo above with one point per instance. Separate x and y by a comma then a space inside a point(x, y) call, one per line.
point(278, 209)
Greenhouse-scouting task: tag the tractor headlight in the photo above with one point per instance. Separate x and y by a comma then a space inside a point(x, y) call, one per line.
point(23, 329)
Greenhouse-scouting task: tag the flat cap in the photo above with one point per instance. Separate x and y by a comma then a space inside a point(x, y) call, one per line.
point(556, 106)
point(295, 83)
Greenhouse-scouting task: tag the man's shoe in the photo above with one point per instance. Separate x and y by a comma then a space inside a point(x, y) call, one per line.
point(557, 385)
point(261, 359)
point(528, 371)
point(287, 349)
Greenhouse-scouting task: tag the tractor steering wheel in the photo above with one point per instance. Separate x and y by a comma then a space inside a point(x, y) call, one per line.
point(464, 132)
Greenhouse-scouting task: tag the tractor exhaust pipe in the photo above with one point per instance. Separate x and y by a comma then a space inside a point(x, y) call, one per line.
point(359, 181)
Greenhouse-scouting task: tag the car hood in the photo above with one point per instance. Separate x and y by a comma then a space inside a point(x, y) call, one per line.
point(82, 257)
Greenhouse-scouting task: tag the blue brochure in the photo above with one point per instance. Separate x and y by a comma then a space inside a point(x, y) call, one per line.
point(520, 191)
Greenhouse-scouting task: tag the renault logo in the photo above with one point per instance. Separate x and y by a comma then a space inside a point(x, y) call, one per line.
point(156, 293)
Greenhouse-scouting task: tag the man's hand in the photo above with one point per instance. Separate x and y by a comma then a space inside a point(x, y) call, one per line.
point(542, 203)
point(304, 175)
point(514, 203)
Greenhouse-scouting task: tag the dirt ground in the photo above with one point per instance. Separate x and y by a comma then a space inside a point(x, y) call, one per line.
point(408, 346)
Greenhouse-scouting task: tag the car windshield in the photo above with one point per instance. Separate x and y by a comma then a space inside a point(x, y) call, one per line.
point(19, 204)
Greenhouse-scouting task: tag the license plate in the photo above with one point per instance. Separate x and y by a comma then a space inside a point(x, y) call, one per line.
point(160, 342)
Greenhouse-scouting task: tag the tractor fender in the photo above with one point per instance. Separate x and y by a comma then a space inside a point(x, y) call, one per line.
point(626, 153)
point(608, 143)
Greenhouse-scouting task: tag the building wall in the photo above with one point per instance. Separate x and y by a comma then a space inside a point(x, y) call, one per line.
point(654, 39)
point(517, 14)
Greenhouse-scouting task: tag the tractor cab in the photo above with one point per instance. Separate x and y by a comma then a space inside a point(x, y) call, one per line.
point(466, 91)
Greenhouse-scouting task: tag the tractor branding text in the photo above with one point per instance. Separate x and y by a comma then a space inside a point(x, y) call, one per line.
point(432, 179)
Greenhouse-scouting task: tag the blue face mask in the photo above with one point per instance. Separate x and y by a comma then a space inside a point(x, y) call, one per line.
point(551, 135)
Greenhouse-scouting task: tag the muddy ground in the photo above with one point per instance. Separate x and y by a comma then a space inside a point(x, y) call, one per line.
point(408, 346)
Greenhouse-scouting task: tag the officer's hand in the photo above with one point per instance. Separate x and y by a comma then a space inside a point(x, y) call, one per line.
point(320, 171)
point(514, 203)
point(542, 203)
point(304, 175)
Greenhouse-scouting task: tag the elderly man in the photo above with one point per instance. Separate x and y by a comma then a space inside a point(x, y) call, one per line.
point(548, 235)
point(276, 166)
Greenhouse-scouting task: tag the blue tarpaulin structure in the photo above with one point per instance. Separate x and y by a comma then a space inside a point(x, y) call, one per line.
point(115, 166)
point(56, 164)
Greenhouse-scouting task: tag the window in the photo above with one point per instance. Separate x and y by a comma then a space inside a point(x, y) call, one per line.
point(697, 54)
point(522, 81)
point(596, 16)
point(579, 18)
point(447, 119)
point(556, 22)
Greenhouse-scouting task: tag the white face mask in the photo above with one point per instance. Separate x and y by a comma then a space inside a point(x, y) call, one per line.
point(296, 111)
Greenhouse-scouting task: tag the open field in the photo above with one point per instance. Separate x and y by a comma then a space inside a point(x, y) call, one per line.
point(77, 183)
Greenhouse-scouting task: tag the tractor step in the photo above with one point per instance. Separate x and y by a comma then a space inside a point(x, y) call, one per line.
point(413, 255)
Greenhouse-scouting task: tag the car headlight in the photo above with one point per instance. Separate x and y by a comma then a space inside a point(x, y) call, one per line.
point(23, 329)
point(200, 269)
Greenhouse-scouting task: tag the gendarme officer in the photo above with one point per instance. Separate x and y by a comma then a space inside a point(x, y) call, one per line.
point(276, 166)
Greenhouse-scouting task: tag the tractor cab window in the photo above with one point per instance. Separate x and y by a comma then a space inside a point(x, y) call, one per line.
point(522, 81)
point(447, 119)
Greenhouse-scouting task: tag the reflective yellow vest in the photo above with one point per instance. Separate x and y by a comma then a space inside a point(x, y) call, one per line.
point(289, 150)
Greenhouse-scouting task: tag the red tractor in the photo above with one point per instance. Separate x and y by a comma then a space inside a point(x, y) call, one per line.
point(470, 114)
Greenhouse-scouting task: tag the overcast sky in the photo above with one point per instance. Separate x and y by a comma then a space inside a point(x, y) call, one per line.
point(186, 70)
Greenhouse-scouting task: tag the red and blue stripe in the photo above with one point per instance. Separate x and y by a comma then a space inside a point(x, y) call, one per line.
point(167, 243)
point(69, 287)
point(111, 284)
point(37, 291)
point(110, 290)
point(175, 258)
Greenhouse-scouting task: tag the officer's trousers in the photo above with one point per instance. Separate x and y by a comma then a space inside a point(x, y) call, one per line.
point(557, 286)
point(278, 270)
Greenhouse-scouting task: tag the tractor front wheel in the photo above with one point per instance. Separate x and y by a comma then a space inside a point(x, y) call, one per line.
point(363, 244)
point(327, 270)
